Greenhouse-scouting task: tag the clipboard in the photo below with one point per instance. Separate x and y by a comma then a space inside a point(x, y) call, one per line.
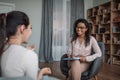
point(75, 58)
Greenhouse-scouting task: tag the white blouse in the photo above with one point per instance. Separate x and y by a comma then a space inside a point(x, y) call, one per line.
point(78, 49)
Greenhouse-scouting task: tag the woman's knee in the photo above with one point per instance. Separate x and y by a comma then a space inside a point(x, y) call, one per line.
point(75, 63)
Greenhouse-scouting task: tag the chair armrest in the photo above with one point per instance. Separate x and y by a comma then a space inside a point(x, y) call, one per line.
point(63, 65)
point(102, 47)
point(95, 66)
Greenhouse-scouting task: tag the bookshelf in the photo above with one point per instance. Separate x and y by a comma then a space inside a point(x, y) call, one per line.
point(106, 28)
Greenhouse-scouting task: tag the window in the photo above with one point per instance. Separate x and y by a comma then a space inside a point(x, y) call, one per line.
point(61, 27)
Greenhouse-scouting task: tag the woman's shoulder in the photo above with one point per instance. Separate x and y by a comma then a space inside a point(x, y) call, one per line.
point(92, 38)
point(29, 54)
point(24, 51)
point(17, 47)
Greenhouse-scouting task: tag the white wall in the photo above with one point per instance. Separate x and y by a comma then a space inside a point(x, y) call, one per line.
point(34, 10)
point(87, 4)
point(91, 3)
point(98, 2)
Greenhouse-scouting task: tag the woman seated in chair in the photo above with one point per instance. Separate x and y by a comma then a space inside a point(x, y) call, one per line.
point(80, 46)
point(16, 60)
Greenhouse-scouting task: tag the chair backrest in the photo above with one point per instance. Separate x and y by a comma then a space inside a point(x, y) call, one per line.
point(102, 47)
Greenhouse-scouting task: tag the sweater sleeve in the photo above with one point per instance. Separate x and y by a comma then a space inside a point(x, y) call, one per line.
point(30, 61)
point(96, 49)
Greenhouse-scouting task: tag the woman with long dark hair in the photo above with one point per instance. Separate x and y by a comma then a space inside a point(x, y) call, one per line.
point(16, 60)
point(81, 44)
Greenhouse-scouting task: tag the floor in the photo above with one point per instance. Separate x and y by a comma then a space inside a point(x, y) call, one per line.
point(107, 72)
point(55, 67)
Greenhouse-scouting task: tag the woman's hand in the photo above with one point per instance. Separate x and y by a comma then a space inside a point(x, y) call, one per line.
point(32, 47)
point(42, 72)
point(45, 71)
point(70, 55)
point(83, 59)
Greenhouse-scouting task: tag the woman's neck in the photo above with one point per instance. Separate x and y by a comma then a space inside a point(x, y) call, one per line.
point(81, 39)
point(14, 40)
point(81, 36)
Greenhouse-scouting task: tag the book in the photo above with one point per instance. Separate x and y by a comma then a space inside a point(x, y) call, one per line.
point(74, 58)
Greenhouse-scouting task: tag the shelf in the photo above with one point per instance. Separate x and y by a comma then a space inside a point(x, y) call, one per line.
point(107, 54)
point(116, 22)
point(91, 16)
point(115, 44)
point(107, 43)
point(93, 33)
point(115, 10)
point(99, 33)
point(107, 13)
point(105, 23)
point(116, 60)
point(107, 33)
point(117, 55)
point(116, 33)
point(117, 63)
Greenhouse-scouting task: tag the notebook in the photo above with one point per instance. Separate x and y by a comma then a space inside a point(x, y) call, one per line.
point(75, 58)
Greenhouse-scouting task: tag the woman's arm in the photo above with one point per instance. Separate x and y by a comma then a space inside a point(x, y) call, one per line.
point(43, 71)
point(70, 50)
point(40, 75)
point(69, 53)
point(30, 66)
point(96, 49)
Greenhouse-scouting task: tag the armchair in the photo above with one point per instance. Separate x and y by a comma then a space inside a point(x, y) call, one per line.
point(94, 67)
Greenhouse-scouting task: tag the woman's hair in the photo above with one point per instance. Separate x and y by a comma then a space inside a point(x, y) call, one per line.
point(87, 33)
point(91, 26)
point(9, 23)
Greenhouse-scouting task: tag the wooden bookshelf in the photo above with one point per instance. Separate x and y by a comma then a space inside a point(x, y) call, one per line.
point(106, 28)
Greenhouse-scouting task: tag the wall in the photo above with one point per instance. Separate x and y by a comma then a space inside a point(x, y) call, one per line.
point(87, 4)
point(98, 2)
point(34, 10)
point(91, 3)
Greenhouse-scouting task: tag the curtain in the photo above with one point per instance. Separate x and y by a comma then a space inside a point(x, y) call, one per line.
point(57, 25)
point(45, 51)
point(61, 27)
point(77, 11)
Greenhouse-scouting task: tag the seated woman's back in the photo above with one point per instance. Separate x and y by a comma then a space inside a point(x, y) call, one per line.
point(17, 60)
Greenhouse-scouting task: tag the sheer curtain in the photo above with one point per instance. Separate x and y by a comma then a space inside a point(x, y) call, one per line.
point(45, 51)
point(61, 28)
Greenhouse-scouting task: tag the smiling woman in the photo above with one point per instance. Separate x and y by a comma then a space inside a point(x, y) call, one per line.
point(81, 45)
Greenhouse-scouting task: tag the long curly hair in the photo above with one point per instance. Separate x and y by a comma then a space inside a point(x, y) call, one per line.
point(87, 33)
